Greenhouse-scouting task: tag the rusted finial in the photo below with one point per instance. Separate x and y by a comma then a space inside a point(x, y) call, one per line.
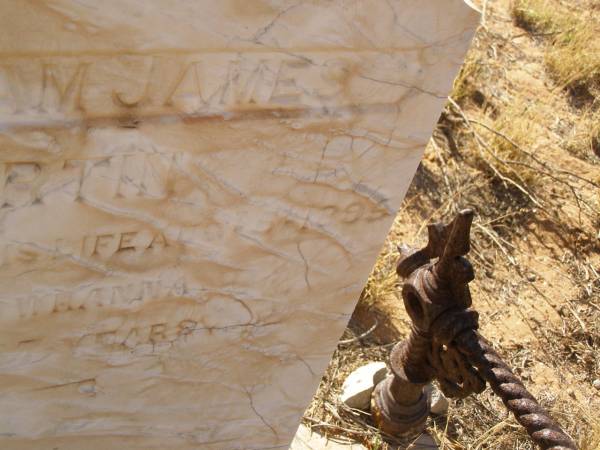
point(444, 343)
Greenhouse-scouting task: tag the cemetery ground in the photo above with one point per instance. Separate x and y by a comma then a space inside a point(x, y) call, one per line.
point(519, 142)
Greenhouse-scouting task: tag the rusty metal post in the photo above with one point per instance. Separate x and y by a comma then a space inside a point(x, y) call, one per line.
point(444, 344)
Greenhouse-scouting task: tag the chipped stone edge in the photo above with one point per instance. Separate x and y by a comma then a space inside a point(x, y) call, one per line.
point(472, 5)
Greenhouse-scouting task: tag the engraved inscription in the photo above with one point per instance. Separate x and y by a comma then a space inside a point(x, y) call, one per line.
point(129, 176)
point(88, 298)
point(106, 245)
point(98, 247)
point(209, 83)
point(191, 86)
point(126, 338)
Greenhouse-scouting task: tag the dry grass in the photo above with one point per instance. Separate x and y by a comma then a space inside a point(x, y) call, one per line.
point(571, 34)
point(574, 58)
point(573, 53)
point(584, 141)
point(513, 161)
point(541, 16)
point(464, 89)
point(513, 145)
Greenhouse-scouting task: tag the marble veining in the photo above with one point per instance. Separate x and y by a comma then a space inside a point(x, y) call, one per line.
point(192, 196)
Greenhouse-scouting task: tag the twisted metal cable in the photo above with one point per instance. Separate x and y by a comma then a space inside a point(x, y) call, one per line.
point(455, 373)
point(542, 429)
point(456, 329)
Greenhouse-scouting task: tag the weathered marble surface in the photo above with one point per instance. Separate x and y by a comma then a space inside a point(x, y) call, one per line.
point(193, 194)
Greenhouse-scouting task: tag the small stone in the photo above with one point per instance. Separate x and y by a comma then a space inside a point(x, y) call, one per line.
point(439, 402)
point(307, 439)
point(357, 389)
point(596, 383)
point(531, 277)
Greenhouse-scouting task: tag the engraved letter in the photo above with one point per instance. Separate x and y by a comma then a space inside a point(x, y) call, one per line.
point(58, 92)
point(255, 88)
point(186, 93)
point(157, 332)
point(19, 181)
point(120, 100)
point(158, 241)
point(126, 241)
point(132, 338)
point(186, 327)
point(106, 337)
point(105, 245)
point(286, 90)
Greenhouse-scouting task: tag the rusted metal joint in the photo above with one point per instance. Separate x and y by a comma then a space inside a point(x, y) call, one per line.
point(444, 343)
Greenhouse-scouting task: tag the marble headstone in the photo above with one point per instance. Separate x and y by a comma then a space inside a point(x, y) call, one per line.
point(192, 195)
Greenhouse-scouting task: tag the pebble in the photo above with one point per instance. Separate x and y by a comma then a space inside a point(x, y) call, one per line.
point(359, 385)
point(439, 402)
point(596, 383)
point(357, 389)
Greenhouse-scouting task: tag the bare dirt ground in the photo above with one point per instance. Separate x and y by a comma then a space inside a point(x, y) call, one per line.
point(520, 143)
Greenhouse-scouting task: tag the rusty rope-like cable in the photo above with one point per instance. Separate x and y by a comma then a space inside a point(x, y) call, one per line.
point(539, 425)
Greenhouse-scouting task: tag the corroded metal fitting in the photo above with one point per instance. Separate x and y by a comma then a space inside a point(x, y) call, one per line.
point(444, 343)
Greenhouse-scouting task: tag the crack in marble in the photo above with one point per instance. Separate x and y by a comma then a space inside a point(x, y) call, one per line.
point(260, 416)
point(306, 266)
